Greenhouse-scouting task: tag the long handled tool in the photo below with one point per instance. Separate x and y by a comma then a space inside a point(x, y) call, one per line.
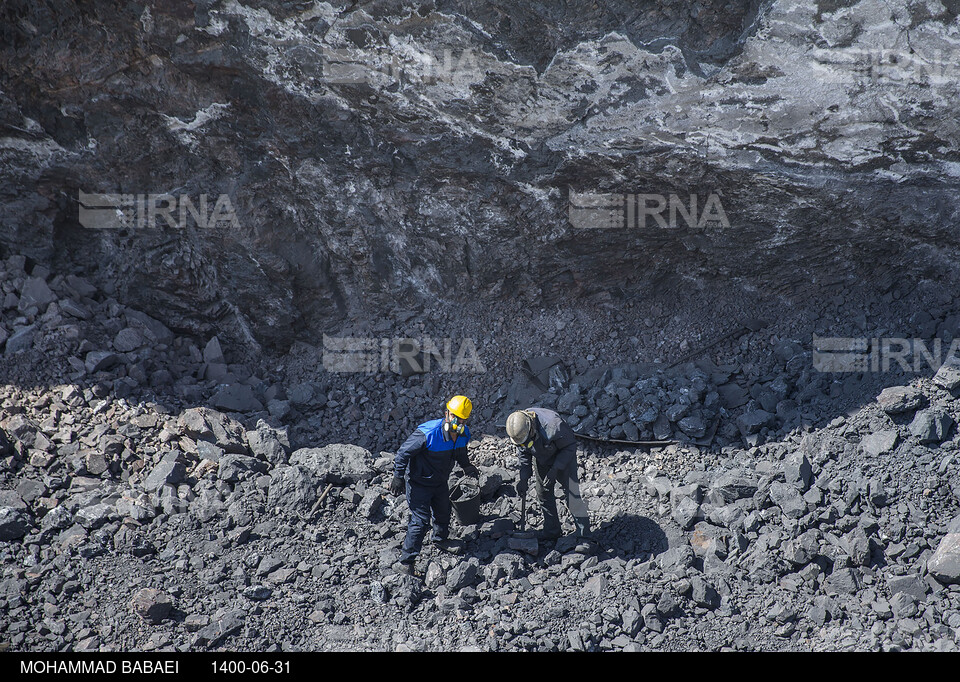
point(524, 540)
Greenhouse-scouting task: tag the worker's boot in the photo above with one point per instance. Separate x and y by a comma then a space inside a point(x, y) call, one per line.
point(585, 542)
point(448, 545)
point(404, 567)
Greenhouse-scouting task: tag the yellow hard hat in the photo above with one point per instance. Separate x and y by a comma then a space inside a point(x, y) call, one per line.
point(461, 406)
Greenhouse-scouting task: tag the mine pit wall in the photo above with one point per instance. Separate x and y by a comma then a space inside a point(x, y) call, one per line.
point(835, 171)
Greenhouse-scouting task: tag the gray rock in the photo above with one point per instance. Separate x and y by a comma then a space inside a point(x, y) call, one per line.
point(339, 464)
point(96, 463)
point(857, 545)
point(529, 545)
point(223, 626)
point(910, 584)
point(632, 622)
point(79, 287)
point(789, 499)
point(128, 340)
point(140, 508)
point(462, 575)
point(651, 619)
point(931, 425)
point(14, 523)
point(801, 550)
point(595, 586)
point(667, 605)
point(100, 360)
point(694, 426)
point(155, 331)
point(31, 490)
point(704, 594)
point(257, 592)
point(212, 353)
point(677, 558)
point(57, 518)
point(20, 340)
point(733, 395)
point(236, 398)
point(278, 409)
point(269, 444)
point(152, 605)
point(734, 485)
point(371, 502)
point(948, 375)
point(35, 293)
point(797, 470)
point(269, 564)
point(170, 470)
point(944, 565)
point(232, 467)
point(301, 394)
point(12, 499)
point(207, 450)
point(899, 399)
point(95, 516)
point(904, 605)
point(709, 539)
point(879, 443)
point(751, 423)
point(203, 423)
point(843, 581)
point(686, 513)
point(568, 402)
point(292, 487)
point(74, 309)
point(434, 576)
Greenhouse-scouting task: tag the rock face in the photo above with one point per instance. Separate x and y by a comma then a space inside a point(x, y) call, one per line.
point(759, 109)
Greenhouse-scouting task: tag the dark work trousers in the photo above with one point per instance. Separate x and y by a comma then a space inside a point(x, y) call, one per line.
point(424, 502)
point(571, 488)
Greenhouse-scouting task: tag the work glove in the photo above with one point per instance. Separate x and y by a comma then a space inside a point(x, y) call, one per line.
point(397, 486)
point(472, 471)
point(550, 479)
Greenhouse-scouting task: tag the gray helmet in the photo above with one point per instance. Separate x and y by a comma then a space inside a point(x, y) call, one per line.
point(519, 425)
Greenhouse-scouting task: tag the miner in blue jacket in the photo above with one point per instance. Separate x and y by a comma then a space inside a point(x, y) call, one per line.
point(427, 458)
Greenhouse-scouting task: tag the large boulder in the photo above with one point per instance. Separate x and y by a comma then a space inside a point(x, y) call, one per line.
point(339, 463)
point(900, 399)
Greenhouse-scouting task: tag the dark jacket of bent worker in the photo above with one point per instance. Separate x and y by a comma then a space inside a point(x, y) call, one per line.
point(428, 456)
point(554, 445)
